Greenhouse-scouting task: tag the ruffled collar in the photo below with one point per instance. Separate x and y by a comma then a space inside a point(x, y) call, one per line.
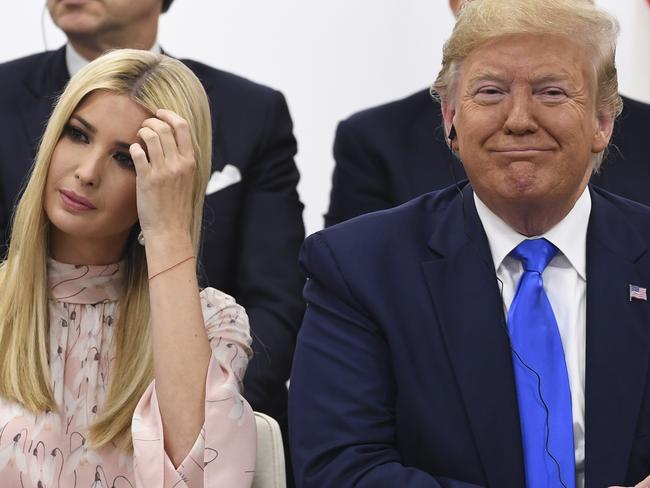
point(84, 284)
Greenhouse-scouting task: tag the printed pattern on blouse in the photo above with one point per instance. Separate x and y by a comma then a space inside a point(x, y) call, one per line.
point(50, 449)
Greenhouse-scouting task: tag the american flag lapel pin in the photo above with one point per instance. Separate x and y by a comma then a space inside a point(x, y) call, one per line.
point(638, 293)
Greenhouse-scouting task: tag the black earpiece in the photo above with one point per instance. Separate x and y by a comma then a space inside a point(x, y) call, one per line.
point(452, 133)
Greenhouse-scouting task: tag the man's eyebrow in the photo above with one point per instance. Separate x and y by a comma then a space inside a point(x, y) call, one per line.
point(487, 76)
point(550, 78)
point(498, 77)
point(93, 129)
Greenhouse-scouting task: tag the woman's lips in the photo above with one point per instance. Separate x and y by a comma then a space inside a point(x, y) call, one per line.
point(75, 202)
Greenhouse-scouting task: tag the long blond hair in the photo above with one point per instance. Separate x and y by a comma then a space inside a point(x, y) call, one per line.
point(154, 81)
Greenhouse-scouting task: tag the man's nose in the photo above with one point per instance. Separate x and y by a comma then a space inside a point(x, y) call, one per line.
point(520, 118)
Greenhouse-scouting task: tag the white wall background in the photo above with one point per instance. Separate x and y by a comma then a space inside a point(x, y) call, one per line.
point(330, 58)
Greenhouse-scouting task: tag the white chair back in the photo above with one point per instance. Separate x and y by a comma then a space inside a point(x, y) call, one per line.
point(269, 464)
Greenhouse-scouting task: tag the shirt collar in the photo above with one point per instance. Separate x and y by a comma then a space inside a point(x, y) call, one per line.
point(84, 284)
point(569, 235)
point(75, 61)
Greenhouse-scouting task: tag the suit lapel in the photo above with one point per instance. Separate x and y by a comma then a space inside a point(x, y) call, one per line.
point(617, 343)
point(467, 300)
point(43, 86)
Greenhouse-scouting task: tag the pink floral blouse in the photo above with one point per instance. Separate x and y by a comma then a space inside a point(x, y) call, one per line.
point(50, 449)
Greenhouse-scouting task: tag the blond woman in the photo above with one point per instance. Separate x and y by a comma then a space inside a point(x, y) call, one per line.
point(114, 369)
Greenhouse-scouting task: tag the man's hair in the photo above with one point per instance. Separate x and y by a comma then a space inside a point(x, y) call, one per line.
point(165, 5)
point(579, 21)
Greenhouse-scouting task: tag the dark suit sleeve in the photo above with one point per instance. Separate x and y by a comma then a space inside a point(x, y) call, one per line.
point(359, 183)
point(268, 278)
point(342, 393)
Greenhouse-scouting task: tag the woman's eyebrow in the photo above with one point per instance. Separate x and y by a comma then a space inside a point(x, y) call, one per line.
point(84, 122)
point(93, 129)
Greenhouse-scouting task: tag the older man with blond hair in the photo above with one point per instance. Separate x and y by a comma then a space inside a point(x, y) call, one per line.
point(389, 154)
point(495, 333)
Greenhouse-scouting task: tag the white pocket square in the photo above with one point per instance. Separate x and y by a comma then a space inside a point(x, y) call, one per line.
point(219, 180)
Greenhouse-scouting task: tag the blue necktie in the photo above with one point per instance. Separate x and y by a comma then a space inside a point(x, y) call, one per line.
point(546, 420)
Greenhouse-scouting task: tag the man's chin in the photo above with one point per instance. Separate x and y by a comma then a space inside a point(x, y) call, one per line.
point(78, 24)
point(521, 194)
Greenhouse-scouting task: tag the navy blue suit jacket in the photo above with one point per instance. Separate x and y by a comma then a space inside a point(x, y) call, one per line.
point(390, 154)
point(402, 375)
point(253, 229)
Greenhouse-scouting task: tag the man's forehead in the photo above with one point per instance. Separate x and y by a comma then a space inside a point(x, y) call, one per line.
point(521, 57)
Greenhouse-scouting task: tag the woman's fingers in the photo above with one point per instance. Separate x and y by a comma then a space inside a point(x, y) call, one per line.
point(165, 135)
point(139, 158)
point(165, 190)
point(154, 145)
point(181, 131)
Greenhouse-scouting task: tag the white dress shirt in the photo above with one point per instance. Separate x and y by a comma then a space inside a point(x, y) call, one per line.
point(75, 61)
point(565, 283)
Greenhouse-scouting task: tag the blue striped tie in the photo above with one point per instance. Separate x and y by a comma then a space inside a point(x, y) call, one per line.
point(539, 366)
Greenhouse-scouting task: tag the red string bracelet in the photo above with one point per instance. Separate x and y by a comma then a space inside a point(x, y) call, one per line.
point(171, 267)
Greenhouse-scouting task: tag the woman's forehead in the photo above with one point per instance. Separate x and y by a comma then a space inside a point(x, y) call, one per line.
point(115, 114)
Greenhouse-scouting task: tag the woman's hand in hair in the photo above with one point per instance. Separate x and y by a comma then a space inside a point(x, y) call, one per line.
point(165, 176)
point(165, 168)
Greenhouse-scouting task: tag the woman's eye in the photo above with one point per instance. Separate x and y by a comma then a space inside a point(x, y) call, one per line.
point(124, 159)
point(76, 134)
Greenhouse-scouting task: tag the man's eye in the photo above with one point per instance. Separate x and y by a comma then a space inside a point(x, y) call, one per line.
point(488, 94)
point(76, 134)
point(489, 91)
point(553, 93)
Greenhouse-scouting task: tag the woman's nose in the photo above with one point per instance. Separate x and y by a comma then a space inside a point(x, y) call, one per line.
point(88, 172)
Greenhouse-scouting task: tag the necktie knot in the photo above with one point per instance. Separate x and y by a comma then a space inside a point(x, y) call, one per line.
point(534, 254)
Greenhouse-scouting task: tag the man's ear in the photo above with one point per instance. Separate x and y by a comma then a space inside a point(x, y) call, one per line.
point(604, 129)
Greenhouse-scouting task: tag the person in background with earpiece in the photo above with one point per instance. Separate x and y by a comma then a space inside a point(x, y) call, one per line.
point(115, 370)
point(389, 154)
point(253, 225)
point(495, 333)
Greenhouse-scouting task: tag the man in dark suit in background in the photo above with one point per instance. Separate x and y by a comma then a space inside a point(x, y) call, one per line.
point(390, 154)
point(253, 217)
point(496, 334)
